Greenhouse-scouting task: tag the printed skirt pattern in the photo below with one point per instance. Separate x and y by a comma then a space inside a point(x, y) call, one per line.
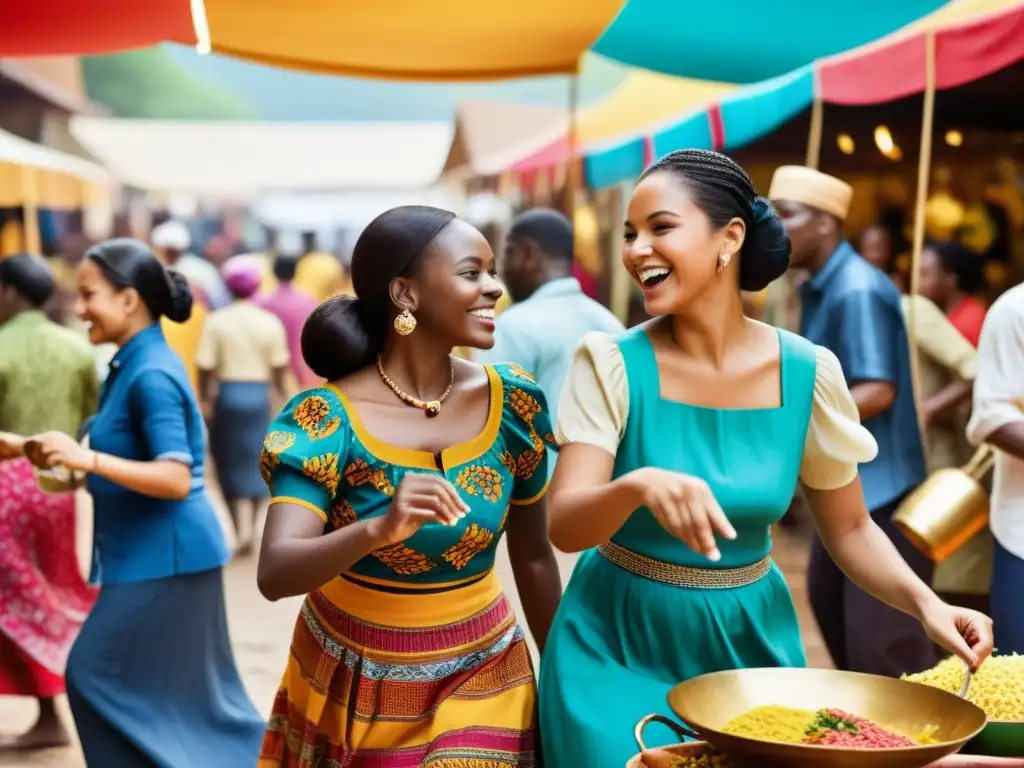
point(383, 680)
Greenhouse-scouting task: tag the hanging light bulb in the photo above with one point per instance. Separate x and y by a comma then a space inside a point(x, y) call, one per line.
point(845, 143)
point(883, 140)
point(895, 154)
point(954, 138)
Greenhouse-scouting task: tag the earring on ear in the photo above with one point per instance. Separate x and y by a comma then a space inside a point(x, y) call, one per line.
point(405, 323)
point(723, 262)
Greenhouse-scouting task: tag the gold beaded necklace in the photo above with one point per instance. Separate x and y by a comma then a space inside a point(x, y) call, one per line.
point(432, 407)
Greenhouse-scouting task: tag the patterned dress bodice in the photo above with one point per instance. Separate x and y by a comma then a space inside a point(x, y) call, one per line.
point(319, 455)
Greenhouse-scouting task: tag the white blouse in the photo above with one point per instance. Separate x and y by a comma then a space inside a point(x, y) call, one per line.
point(594, 408)
point(998, 402)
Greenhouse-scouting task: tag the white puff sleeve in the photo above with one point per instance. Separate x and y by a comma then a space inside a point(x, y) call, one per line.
point(836, 440)
point(595, 400)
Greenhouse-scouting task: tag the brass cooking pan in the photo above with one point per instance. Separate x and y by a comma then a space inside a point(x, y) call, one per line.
point(708, 702)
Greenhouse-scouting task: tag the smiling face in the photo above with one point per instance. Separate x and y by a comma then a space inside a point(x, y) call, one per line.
point(105, 309)
point(455, 289)
point(671, 248)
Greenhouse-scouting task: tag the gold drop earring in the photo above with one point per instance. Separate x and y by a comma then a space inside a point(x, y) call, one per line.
point(723, 262)
point(405, 323)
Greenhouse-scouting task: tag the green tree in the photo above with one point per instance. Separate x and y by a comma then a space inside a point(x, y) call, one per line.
point(147, 83)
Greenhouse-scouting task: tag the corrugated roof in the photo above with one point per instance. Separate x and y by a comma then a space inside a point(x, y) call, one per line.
point(233, 158)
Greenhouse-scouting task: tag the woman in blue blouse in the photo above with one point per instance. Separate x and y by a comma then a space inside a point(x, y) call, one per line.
point(151, 679)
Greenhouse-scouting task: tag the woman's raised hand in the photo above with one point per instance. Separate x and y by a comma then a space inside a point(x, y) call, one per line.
point(685, 507)
point(419, 499)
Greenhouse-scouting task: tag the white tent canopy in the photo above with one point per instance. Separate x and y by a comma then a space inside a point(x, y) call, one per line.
point(226, 158)
point(19, 151)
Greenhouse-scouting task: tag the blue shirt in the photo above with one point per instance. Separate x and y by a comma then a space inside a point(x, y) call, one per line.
point(541, 333)
point(148, 413)
point(853, 309)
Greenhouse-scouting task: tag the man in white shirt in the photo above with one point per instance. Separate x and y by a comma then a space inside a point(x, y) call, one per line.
point(541, 330)
point(998, 419)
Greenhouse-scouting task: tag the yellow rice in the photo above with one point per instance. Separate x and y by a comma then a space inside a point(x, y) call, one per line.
point(771, 723)
point(703, 761)
point(998, 687)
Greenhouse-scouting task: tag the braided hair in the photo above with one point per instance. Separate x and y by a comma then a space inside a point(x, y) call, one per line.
point(724, 191)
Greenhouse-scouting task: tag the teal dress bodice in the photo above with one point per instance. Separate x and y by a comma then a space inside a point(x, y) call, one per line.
point(620, 642)
point(750, 458)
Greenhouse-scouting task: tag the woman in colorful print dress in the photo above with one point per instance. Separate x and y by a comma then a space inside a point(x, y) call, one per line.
point(684, 440)
point(391, 488)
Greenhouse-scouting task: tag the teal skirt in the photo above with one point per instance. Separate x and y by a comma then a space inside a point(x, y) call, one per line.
point(620, 642)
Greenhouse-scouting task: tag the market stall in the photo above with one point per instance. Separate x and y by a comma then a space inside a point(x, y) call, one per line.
point(38, 185)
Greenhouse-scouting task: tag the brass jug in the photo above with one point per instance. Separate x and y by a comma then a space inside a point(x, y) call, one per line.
point(948, 508)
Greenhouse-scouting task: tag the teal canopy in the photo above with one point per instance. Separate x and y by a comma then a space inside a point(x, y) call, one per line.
point(745, 41)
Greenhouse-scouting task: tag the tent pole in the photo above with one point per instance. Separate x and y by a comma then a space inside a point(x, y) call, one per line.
point(817, 121)
point(572, 180)
point(923, 177)
point(30, 209)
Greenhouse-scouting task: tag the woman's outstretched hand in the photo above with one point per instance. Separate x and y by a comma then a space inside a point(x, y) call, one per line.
point(961, 631)
point(685, 507)
point(55, 449)
point(419, 499)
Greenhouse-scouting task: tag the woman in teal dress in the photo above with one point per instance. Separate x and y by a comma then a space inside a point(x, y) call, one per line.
point(682, 442)
point(392, 486)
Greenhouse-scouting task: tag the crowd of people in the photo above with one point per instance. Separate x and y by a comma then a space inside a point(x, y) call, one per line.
point(663, 453)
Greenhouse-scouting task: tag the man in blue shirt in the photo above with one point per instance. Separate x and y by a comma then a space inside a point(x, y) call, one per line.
point(541, 330)
point(853, 309)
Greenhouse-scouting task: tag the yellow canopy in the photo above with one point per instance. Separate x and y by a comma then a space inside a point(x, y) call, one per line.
point(644, 100)
point(412, 39)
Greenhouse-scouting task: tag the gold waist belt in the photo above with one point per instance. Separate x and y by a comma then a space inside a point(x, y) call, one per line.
point(683, 575)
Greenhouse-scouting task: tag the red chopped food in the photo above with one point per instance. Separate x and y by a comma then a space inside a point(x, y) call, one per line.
point(835, 728)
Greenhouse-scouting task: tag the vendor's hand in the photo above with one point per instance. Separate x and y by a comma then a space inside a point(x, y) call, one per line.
point(419, 498)
point(685, 507)
point(55, 449)
point(12, 446)
point(963, 632)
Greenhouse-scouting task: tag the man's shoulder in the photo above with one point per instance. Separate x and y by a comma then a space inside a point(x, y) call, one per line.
point(859, 277)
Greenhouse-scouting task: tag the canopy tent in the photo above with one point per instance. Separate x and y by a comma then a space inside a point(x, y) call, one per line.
point(34, 177)
point(750, 40)
point(644, 98)
point(973, 39)
point(246, 158)
point(491, 134)
point(461, 39)
point(45, 177)
point(395, 39)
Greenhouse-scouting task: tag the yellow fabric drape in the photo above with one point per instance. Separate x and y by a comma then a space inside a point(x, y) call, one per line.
point(436, 40)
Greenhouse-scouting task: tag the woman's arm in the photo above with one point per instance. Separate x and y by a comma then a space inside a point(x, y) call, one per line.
point(867, 556)
point(863, 551)
point(534, 567)
point(296, 556)
point(161, 478)
point(587, 507)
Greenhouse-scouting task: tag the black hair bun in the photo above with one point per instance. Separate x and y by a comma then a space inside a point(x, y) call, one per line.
point(766, 251)
point(336, 339)
point(180, 300)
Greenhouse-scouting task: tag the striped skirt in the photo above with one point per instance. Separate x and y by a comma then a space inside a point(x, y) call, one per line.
point(383, 680)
